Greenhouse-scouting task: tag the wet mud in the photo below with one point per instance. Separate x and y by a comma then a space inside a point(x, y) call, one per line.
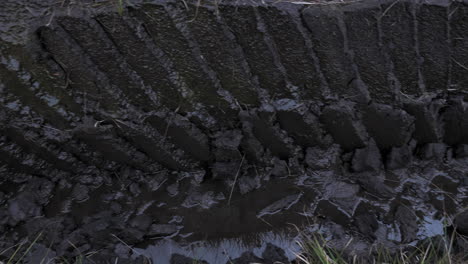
point(221, 132)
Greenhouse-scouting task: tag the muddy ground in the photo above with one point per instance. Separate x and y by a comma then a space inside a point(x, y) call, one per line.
point(178, 130)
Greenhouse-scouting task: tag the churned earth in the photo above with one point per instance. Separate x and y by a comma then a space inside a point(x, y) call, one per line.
point(223, 131)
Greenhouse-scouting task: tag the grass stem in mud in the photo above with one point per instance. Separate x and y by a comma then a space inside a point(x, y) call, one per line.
point(235, 179)
point(120, 7)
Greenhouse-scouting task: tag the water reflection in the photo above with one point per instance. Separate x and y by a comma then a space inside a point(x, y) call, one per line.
point(221, 251)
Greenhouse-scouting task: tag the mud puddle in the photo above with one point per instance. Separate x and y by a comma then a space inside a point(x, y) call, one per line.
point(225, 250)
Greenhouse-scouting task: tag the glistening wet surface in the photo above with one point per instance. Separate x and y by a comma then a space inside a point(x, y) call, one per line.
point(226, 131)
point(224, 250)
point(182, 218)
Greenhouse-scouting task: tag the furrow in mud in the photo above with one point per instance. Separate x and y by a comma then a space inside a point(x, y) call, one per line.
point(113, 149)
point(363, 40)
point(147, 63)
point(458, 25)
point(136, 145)
point(102, 52)
point(242, 21)
point(178, 42)
point(45, 78)
point(298, 21)
point(165, 36)
point(14, 85)
point(290, 45)
point(419, 59)
point(26, 162)
point(398, 38)
point(99, 90)
point(33, 143)
point(331, 51)
point(83, 78)
point(455, 121)
point(35, 133)
point(164, 155)
point(344, 124)
point(259, 123)
point(427, 125)
point(433, 46)
point(301, 122)
point(239, 53)
point(219, 52)
point(186, 135)
point(105, 146)
point(389, 127)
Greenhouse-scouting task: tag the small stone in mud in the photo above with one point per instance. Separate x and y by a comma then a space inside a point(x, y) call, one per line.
point(367, 159)
point(330, 211)
point(199, 176)
point(407, 220)
point(434, 151)
point(280, 205)
point(141, 222)
point(374, 184)
point(344, 194)
point(41, 188)
point(461, 223)
point(320, 159)
point(23, 207)
point(88, 179)
point(462, 151)
point(365, 219)
point(121, 250)
point(342, 190)
point(135, 189)
point(247, 184)
point(399, 157)
point(115, 207)
point(173, 189)
point(162, 230)
point(280, 168)
point(227, 143)
point(274, 254)
point(443, 202)
point(445, 184)
point(196, 198)
point(388, 126)
point(230, 139)
point(180, 259)
point(176, 219)
point(223, 170)
point(246, 257)
point(80, 193)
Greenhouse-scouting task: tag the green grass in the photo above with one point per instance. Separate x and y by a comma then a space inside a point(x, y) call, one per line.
point(18, 255)
point(120, 6)
point(19, 252)
point(315, 250)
